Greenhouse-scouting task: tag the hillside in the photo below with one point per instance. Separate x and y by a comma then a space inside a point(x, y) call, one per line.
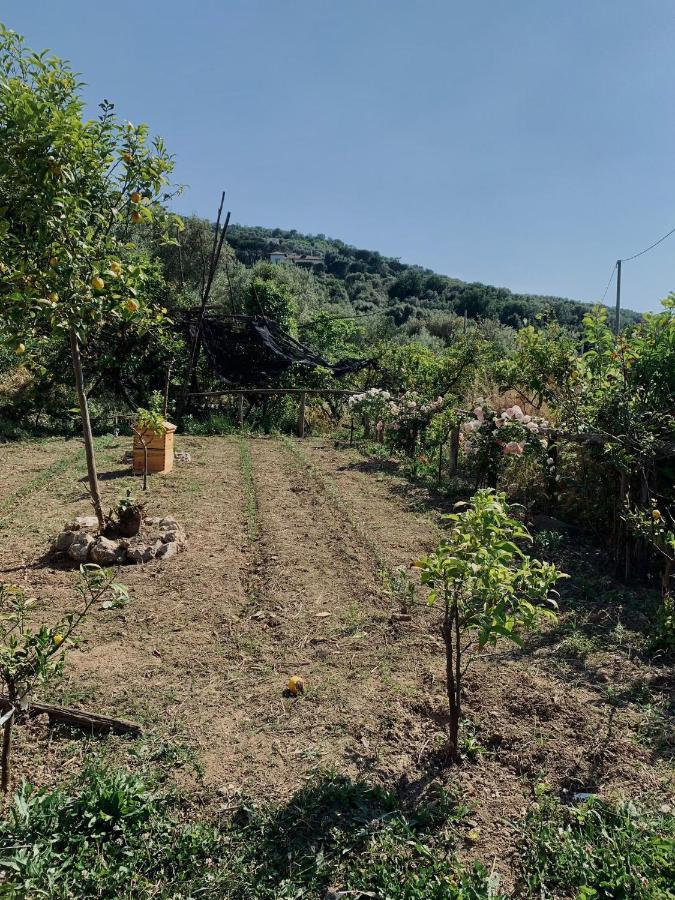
point(370, 281)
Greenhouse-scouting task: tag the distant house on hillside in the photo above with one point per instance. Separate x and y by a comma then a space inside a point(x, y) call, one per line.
point(296, 259)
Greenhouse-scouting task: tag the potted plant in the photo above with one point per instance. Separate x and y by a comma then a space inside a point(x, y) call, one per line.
point(153, 440)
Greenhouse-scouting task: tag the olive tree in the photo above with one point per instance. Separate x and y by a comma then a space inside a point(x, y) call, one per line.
point(71, 191)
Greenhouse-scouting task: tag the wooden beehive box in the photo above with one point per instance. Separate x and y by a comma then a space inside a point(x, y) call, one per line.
point(160, 451)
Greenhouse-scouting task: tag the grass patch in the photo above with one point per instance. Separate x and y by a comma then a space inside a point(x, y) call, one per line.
point(51, 473)
point(250, 499)
point(112, 833)
point(597, 851)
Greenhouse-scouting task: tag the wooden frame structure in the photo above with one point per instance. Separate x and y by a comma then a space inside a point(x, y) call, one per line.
point(301, 393)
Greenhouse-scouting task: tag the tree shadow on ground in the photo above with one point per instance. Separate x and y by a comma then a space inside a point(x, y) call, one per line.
point(337, 834)
point(111, 475)
point(417, 496)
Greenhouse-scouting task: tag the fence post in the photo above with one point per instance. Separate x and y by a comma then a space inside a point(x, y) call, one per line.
point(240, 411)
point(454, 450)
point(351, 432)
point(301, 416)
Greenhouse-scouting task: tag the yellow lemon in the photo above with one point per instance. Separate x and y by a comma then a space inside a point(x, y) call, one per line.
point(53, 261)
point(656, 515)
point(58, 639)
point(296, 685)
point(132, 306)
point(54, 297)
point(21, 348)
point(135, 197)
point(97, 283)
point(115, 268)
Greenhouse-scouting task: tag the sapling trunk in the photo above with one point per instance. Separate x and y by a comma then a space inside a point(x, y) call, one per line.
point(6, 751)
point(86, 429)
point(7, 741)
point(453, 670)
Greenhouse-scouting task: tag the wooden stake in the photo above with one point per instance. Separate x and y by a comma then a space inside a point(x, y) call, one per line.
point(301, 417)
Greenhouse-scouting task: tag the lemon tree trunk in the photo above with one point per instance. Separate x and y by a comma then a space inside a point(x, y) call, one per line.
point(86, 429)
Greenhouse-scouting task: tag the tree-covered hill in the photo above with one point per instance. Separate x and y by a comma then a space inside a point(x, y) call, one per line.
point(370, 282)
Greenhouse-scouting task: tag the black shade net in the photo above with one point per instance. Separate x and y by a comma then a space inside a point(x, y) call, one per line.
point(251, 350)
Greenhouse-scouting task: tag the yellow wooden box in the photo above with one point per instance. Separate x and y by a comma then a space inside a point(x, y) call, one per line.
point(160, 451)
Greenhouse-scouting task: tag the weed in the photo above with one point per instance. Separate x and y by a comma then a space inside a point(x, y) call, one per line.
point(548, 542)
point(597, 851)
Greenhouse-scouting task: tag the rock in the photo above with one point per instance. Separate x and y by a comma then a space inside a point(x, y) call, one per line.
point(105, 552)
point(84, 523)
point(151, 520)
point(182, 456)
point(63, 540)
point(140, 554)
point(172, 536)
point(168, 522)
point(167, 550)
point(80, 547)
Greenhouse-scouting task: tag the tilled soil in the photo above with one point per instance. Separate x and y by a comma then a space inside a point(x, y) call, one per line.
point(203, 653)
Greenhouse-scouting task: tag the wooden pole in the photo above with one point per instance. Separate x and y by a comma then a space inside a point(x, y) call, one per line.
point(240, 411)
point(301, 416)
point(440, 462)
point(454, 450)
point(617, 314)
point(351, 432)
point(78, 718)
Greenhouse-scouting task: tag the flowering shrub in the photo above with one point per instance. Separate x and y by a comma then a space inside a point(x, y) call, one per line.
point(371, 406)
point(490, 435)
point(409, 416)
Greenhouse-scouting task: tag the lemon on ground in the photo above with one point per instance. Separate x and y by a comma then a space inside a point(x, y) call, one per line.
point(21, 348)
point(97, 283)
point(115, 268)
point(53, 261)
point(53, 296)
point(58, 639)
point(132, 305)
point(656, 515)
point(296, 685)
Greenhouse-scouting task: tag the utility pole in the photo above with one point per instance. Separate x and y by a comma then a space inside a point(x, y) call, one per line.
point(618, 296)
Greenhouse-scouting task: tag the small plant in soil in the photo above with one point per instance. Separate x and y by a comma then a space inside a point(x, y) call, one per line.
point(32, 656)
point(488, 588)
point(126, 518)
point(148, 422)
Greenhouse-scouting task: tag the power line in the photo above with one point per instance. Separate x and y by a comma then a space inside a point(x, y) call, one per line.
point(611, 276)
point(651, 247)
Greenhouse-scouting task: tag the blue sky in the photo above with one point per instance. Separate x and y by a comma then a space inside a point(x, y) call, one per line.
point(526, 144)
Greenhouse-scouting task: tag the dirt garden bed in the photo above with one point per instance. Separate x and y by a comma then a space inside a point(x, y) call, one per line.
point(282, 575)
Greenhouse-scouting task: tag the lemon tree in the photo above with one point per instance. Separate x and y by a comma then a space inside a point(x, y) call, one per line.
point(72, 189)
point(487, 586)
